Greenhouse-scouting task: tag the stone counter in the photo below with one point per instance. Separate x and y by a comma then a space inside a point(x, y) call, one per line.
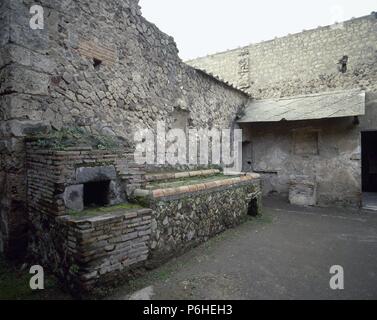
point(92, 251)
point(187, 216)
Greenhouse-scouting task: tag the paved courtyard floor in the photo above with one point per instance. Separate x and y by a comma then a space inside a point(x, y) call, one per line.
point(286, 254)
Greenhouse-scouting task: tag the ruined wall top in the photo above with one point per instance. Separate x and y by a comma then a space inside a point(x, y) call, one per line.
point(341, 56)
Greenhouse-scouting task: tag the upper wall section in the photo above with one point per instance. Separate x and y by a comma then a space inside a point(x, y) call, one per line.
point(101, 65)
point(302, 63)
point(225, 65)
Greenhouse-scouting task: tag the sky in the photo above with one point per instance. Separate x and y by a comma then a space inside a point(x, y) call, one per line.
point(202, 27)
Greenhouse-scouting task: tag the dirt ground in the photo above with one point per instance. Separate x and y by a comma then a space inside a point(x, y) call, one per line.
point(285, 254)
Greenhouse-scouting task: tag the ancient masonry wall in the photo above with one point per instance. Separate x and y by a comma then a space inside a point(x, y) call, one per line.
point(299, 64)
point(186, 216)
point(88, 246)
point(305, 62)
point(225, 65)
point(84, 249)
point(98, 65)
point(326, 151)
point(89, 252)
point(334, 162)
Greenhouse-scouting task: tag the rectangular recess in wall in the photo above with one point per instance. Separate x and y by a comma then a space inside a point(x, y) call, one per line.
point(306, 142)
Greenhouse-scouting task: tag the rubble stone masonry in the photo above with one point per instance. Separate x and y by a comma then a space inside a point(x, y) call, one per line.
point(302, 63)
point(98, 65)
point(326, 59)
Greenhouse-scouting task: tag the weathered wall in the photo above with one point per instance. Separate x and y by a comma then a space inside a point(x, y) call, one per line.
point(304, 62)
point(369, 120)
point(226, 65)
point(283, 151)
point(269, 147)
point(89, 251)
point(48, 78)
point(184, 220)
point(299, 64)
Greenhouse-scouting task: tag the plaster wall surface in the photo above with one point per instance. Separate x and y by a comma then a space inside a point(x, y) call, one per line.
point(298, 64)
point(326, 151)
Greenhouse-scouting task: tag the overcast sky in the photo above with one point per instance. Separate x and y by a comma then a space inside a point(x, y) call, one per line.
point(201, 27)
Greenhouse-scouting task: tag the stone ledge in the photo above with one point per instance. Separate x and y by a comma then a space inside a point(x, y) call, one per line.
point(167, 192)
point(118, 214)
point(180, 175)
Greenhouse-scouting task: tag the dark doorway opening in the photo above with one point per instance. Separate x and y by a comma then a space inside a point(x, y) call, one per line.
point(252, 209)
point(96, 194)
point(369, 161)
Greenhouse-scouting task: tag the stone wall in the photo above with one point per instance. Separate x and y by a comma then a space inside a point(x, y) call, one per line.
point(85, 244)
point(87, 253)
point(305, 62)
point(225, 65)
point(95, 245)
point(98, 65)
point(325, 151)
point(52, 175)
point(187, 216)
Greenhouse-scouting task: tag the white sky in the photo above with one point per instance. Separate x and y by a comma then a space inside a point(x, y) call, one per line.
point(201, 27)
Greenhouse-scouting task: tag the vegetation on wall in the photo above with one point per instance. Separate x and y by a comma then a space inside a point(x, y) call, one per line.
point(76, 137)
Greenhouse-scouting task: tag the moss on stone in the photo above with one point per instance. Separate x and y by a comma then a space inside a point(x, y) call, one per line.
point(164, 184)
point(104, 210)
point(143, 201)
point(75, 137)
point(14, 284)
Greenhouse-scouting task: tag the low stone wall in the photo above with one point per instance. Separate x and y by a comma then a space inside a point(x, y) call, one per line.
point(89, 252)
point(85, 243)
point(89, 244)
point(186, 216)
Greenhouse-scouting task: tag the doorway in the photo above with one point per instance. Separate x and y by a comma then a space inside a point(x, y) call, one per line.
point(369, 169)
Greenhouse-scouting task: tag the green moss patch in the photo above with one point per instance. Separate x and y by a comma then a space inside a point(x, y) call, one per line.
point(105, 210)
point(186, 181)
point(14, 284)
point(75, 137)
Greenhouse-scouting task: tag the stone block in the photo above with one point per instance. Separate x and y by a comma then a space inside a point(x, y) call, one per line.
point(303, 191)
point(91, 174)
point(74, 197)
point(28, 81)
point(22, 128)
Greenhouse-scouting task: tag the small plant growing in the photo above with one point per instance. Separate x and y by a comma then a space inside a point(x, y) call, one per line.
point(76, 136)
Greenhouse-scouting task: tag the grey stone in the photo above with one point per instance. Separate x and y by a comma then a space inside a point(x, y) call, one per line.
point(22, 128)
point(73, 197)
point(303, 191)
point(143, 294)
point(90, 174)
point(116, 193)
